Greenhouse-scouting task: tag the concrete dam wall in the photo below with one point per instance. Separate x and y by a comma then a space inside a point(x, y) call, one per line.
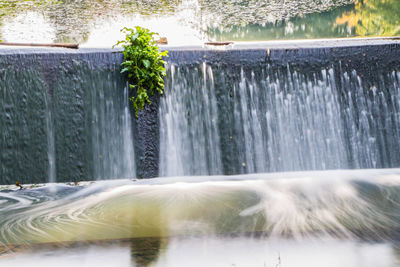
point(246, 108)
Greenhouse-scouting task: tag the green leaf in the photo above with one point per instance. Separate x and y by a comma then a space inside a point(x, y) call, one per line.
point(146, 63)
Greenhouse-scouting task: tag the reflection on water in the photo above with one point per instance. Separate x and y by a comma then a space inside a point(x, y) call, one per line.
point(300, 218)
point(315, 25)
point(210, 252)
point(97, 23)
point(373, 17)
point(145, 251)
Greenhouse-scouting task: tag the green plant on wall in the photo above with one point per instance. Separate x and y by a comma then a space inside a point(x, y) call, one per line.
point(144, 64)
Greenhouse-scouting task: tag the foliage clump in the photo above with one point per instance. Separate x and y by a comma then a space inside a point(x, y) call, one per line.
point(144, 64)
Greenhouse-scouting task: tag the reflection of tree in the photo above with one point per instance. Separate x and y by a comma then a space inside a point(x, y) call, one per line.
point(374, 17)
point(396, 251)
point(12, 8)
point(364, 18)
point(243, 12)
point(317, 25)
point(73, 20)
point(15, 7)
point(149, 7)
point(145, 251)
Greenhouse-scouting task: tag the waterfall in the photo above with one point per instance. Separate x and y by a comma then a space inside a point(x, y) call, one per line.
point(51, 150)
point(111, 140)
point(189, 124)
point(217, 120)
point(302, 122)
point(64, 117)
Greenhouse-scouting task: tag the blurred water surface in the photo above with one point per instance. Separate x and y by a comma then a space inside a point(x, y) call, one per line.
point(301, 218)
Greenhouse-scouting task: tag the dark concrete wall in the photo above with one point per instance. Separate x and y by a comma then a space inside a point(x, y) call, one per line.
point(28, 75)
point(36, 82)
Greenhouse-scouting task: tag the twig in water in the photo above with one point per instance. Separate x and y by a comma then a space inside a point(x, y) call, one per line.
point(18, 184)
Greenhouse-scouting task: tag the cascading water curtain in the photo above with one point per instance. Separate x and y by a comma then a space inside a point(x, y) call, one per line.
point(110, 129)
point(289, 121)
point(65, 120)
point(217, 120)
point(189, 135)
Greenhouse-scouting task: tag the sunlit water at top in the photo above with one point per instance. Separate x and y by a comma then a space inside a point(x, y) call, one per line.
point(277, 219)
point(96, 23)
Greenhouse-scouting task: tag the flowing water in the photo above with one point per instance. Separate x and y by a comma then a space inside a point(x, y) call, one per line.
point(188, 125)
point(112, 139)
point(267, 119)
point(256, 123)
point(275, 219)
point(63, 119)
point(51, 150)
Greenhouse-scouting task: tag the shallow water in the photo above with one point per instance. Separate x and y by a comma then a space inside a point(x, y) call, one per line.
point(212, 252)
point(308, 218)
point(97, 23)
